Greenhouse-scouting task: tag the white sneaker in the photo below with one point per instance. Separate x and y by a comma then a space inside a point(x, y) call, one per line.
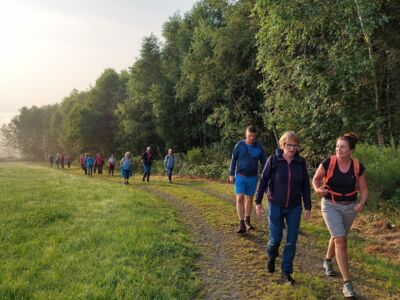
point(348, 290)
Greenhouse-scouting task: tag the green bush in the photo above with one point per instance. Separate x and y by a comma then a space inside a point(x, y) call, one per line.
point(195, 156)
point(382, 169)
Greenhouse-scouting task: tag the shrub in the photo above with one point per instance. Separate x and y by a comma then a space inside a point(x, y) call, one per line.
point(195, 156)
point(383, 169)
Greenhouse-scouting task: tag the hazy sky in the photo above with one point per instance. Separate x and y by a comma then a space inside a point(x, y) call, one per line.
point(50, 47)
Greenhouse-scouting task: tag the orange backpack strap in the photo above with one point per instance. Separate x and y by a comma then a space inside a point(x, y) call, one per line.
point(356, 166)
point(331, 168)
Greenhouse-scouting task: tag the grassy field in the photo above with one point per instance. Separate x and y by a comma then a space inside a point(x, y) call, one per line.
point(69, 237)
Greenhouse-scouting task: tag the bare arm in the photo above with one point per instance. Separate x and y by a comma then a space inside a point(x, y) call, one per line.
point(317, 181)
point(363, 186)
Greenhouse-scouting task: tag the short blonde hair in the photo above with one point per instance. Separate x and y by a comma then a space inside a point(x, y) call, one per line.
point(288, 136)
point(128, 154)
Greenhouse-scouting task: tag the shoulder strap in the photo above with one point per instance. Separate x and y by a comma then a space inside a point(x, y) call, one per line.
point(331, 168)
point(356, 166)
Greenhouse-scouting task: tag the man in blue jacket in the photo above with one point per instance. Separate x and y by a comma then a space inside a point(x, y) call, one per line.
point(244, 173)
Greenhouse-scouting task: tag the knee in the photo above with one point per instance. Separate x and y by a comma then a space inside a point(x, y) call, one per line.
point(340, 242)
point(249, 199)
point(240, 199)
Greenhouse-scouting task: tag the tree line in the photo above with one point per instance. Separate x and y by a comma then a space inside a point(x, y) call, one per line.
point(317, 67)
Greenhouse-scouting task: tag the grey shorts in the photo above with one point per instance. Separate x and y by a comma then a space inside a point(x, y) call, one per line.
point(338, 217)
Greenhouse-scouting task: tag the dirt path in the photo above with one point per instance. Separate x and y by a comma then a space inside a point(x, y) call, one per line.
point(215, 267)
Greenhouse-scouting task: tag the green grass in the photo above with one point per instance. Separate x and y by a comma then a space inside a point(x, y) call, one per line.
point(69, 237)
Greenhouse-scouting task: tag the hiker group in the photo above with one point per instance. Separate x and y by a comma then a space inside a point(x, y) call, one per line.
point(60, 160)
point(285, 180)
point(90, 164)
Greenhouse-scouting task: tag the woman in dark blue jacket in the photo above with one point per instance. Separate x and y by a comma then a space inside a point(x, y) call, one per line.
point(286, 177)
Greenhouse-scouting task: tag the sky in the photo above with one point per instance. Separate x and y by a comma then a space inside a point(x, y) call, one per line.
point(50, 47)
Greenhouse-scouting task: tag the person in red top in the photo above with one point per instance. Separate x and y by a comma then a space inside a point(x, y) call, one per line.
point(83, 163)
point(99, 163)
point(147, 160)
point(62, 160)
point(68, 161)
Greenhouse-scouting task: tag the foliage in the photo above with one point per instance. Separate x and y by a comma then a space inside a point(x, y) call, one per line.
point(320, 74)
point(382, 169)
point(320, 68)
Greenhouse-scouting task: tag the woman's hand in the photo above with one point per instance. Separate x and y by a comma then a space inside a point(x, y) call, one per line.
point(259, 210)
point(307, 214)
point(322, 191)
point(359, 207)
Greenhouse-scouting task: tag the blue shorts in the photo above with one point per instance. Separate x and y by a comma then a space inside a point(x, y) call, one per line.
point(245, 185)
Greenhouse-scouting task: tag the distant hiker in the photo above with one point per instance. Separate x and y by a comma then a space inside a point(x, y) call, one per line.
point(147, 160)
point(89, 162)
point(99, 163)
point(244, 173)
point(51, 160)
point(286, 177)
point(169, 163)
point(95, 162)
point(62, 160)
point(58, 160)
point(111, 165)
point(82, 162)
point(126, 166)
point(68, 161)
point(336, 180)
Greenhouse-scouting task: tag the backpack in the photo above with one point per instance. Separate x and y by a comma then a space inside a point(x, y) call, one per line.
point(329, 175)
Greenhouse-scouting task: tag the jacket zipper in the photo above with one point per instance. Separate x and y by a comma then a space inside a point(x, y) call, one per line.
point(288, 191)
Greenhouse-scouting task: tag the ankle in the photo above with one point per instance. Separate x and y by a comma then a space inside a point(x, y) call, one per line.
point(346, 281)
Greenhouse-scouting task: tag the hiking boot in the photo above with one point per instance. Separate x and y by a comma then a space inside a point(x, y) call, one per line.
point(242, 227)
point(348, 290)
point(248, 224)
point(287, 279)
point(271, 265)
point(328, 266)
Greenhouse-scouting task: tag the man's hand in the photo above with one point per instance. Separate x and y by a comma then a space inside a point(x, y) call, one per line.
point(231, 179)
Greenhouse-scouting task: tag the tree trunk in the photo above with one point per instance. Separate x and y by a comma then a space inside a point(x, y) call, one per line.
point(368, 42)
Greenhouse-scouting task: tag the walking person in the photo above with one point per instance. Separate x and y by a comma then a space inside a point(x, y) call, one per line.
point(336, 181)
point(82, 162)
point(169, 163)
point(89, 162)
point(62, 160)
point(147, 160)
point(286, 177)
point(58, 160)
point(51, 160)
point(126, 166)
point(246, 156)
point(95, 162)
point(99, 163)
point(111, 165)
point(68, 161)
